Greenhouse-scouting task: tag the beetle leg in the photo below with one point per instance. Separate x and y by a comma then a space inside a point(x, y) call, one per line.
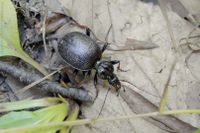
point(65, 78)
point(89, 73)
point(115, 62)
point(57, 77)
point(118, 67)
point(87, 31)
point(95, 84)
point(75, 72)
point(95, 80)
point(84, 73)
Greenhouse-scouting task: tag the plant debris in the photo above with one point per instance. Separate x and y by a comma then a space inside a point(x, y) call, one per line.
point(42, 23)
point(27, 77)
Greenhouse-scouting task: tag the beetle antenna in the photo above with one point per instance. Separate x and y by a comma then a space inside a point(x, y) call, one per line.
point(104, 47)
point(104, 102)
point(108, 32)
point(106, 39)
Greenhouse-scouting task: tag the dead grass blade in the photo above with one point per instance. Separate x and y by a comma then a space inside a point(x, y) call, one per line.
point(37, 82)
point(163, 101)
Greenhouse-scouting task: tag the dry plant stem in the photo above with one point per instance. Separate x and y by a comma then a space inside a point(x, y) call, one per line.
point(44, 31)
point(37, 82)
point(111, 21)
point(28, 77)
point(149, 93)
point(139, 105)
point(165, 92)
point(177, 51)
point(169, 27)
point(86, 121)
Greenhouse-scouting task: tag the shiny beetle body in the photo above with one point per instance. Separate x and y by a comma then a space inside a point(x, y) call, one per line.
point(84, 54)
point(79, 51)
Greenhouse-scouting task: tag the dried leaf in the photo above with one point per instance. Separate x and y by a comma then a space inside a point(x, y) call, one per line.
point(139, 45)
point(178, 7)
point(133, 44)
point(53, 23)
point(140, 104)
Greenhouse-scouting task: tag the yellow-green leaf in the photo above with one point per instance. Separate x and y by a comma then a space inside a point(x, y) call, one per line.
point(9, 35)
point(24, 104)
point(197, 131)
point(72, 116)
point(55, 113)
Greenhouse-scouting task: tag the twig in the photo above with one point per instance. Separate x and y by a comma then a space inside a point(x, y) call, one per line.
point(37, 82)
point(27, 77)
point(44, 30)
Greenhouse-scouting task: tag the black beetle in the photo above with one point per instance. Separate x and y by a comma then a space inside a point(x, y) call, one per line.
point(82, 53)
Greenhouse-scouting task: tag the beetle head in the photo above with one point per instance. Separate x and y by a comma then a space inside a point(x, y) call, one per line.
point(105, 71)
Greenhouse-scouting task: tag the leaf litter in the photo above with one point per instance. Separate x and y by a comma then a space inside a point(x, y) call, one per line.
point(141, 45)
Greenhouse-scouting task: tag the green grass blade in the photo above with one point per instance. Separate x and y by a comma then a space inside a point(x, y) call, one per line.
point(72, 116)
point(95, 120)
point(16, 119)
point(61, 109)
point(24, 104)
point(182, 111)
point(197, 131)
point(55, 113)
point(75, 122)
